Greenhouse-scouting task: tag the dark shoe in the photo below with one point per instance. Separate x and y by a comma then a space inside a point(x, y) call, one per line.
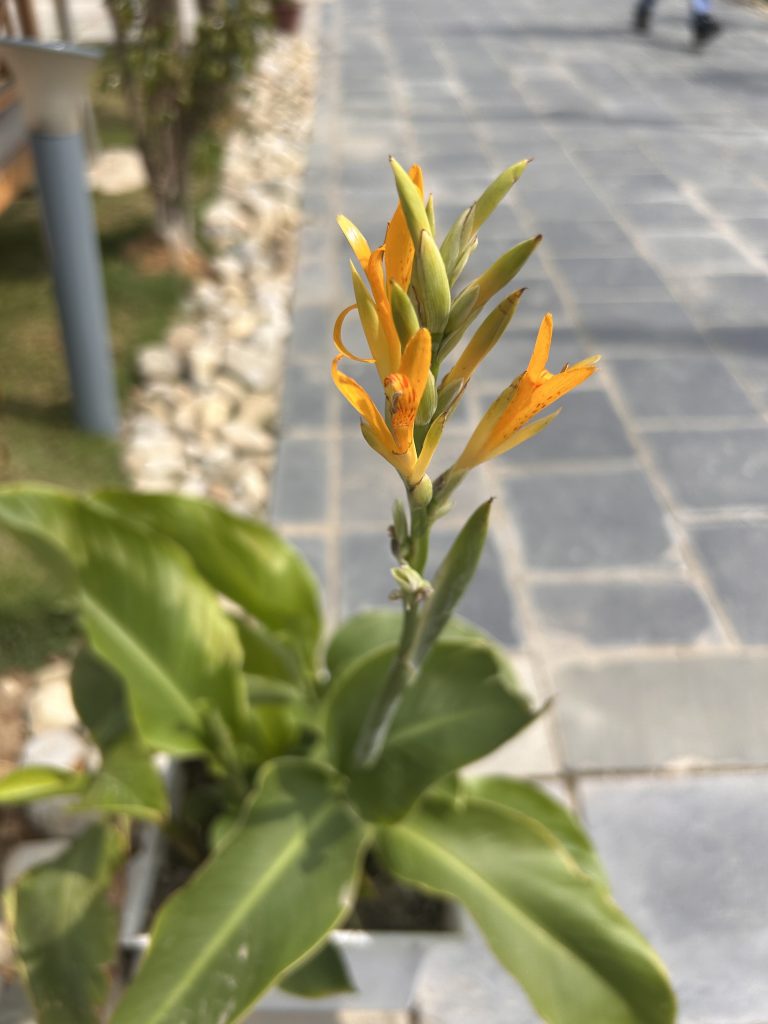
point(642, 17)
point(704, 28)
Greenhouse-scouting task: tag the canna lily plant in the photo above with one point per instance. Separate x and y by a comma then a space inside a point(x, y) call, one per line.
point(313, 759)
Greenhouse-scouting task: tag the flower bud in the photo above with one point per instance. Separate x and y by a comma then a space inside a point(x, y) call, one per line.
point(430, 284)
point(428, 403)
point(421, 494)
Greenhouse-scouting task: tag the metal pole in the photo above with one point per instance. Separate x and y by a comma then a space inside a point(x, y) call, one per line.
point(71, 230)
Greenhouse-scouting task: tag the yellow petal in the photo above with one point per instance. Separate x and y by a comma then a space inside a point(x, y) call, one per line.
point(416, 360)
point(388, 356)
point(540, 355)
point(398, 245)
point(473, 453)
point(403, 463)
point(360, 400)
point(356, 239)
point(519, 436)
point(338, 341)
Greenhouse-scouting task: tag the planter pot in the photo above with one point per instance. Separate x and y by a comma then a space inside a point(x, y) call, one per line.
point(287, 15)
point(383, 965)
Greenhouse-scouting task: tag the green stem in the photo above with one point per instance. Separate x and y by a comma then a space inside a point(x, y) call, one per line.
point(382, 712)
point(419, 540)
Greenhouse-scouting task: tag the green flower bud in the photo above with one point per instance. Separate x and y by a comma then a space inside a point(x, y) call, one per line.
point(430, 284)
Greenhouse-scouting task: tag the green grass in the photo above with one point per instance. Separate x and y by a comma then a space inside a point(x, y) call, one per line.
point(38, 440)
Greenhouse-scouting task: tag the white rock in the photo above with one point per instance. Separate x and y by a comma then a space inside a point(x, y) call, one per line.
point(117, 171)
point(51, 706)
point(204, 361)
point(29, 854)
point(248, 439)
point(242, 325)
point(182, 337)
point(253, 485)
point(249, 366)
point(224, 220)
point(158, 363)
point(259, 410)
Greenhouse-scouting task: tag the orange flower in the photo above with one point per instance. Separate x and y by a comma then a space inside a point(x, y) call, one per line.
point(504, 425)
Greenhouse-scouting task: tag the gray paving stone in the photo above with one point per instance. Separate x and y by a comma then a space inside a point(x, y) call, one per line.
point(714, 468)
point(696, 254)
point(657, 326)
point(306, 397)
point(680, 386)
point(593, 519)
point(566, 239)
point(647, 715)
point(754, 230)
point(664, 218)
point(588, 429)
point(599, 280)
point(300, 488)
point(725, 300)
point(685, 857)
point(366, 581)
point(621, 614)
point(735, 555)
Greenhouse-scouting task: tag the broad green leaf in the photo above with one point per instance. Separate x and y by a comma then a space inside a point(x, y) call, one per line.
point(37, 782)
point(264, 654)
point(452, 578)
point(324, 975)
point(66, 928)
point(459, 707)
point(146, 612)
point(529, 799)
point(99, 696)
point(127, 783)
point(245, 560)
point(150, 616)
point(260, 905)
point(559, 932)
point(364, 633)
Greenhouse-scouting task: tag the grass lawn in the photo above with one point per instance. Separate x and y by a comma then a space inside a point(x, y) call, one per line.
point(37, 438)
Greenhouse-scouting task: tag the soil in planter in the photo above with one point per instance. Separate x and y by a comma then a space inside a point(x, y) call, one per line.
point(384, 904)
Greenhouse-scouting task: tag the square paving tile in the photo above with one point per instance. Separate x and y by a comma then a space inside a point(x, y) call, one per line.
point(300, 490)
point(366, 581)
point(603, 280)
point(615, 614)
point(696, 254)
point(663, 713)
point(735, 555)
point(726, 299)
point(592, 519)
point(643, 326)
point(686, 857)
point(714, 468)
point(699, 386)
point(568, 239)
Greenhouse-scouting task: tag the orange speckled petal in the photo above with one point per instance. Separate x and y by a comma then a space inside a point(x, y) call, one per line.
point(398, 244)
point(417, 357)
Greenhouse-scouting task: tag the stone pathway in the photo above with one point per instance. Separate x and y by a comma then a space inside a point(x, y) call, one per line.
point(627, 568)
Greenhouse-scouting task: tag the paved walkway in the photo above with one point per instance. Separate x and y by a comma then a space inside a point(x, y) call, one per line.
point(628, 565)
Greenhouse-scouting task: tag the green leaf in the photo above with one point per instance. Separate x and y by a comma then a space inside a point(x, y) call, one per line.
point(529, 799)
point(367, 631)
point(570, 947)
point(99, 696)
point(264, 654)
point(66, 928)
point(452, 578)
point(152, 618)
point(236, 928)
point(245, 560)
point(403, 313)
point(37, 782)
point(127, 783)
point(495, 192)
point(460, 706)
point(500, 273)
point(324, 975)
point(146, 612)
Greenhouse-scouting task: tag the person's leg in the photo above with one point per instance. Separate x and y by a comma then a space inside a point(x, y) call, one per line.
point(703, 25)
point(643, 11)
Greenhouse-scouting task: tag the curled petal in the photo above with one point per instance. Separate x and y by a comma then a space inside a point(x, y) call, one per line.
point(356, 239)
point(338, 341)
point(402, 405)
